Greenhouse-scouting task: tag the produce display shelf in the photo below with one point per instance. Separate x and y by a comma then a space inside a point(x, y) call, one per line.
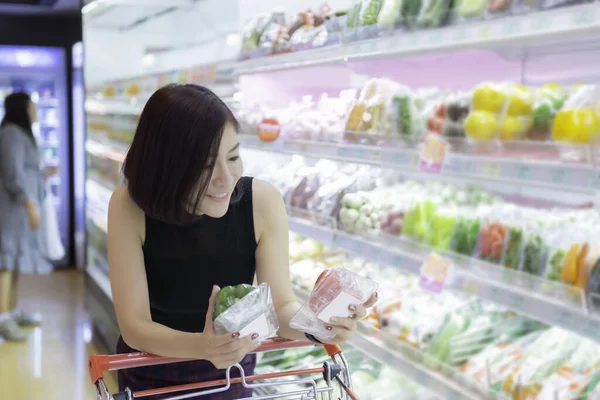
point(434, 381)
point(521, 169)
point(519, 32)
point(549, 302)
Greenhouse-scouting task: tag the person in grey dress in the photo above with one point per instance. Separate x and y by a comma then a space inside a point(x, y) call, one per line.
point(22, 190)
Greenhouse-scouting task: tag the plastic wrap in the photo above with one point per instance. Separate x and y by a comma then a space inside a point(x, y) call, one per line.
point(434, 13)
point(389, 16)
point(335, 290)
point(491, 240)
point(466, 234)
point(578, 122)
point(513, 250)
point(469, 9)
point(487, 110)
point(404, 115)
point(548, 101)
point(253, 313)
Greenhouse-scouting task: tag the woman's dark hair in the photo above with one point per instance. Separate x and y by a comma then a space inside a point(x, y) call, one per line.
point(16, 111)
point(167, 168)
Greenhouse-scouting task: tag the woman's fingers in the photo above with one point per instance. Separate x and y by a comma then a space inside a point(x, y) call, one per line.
point(345, 323)
point(358, 312)
point(372, 300)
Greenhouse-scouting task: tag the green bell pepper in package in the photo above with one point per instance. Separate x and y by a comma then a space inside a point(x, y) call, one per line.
point(228, 296)
point(247, 310)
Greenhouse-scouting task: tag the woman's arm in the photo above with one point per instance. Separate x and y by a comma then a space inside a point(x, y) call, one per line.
point(272, 265)
point(12, 164)
point(272, 254)
point(126, 224)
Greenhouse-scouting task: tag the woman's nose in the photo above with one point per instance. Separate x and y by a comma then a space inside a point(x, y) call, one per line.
point(221, 176)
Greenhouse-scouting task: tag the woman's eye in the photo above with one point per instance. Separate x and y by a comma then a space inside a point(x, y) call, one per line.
point(234, 158)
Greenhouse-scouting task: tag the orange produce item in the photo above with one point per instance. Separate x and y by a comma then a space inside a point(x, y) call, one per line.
point(583, 269)
point(569, 268)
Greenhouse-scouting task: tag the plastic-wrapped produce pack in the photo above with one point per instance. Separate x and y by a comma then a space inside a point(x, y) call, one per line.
point(335, 290)
point(249, 314)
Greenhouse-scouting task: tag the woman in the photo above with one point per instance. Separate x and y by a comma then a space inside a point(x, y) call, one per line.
point(185, 224)
point(21, 193)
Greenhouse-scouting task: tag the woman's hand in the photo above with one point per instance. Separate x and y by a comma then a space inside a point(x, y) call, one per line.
point(344, 328)
point(227, 349)
point(50, 171)
point(33, 215)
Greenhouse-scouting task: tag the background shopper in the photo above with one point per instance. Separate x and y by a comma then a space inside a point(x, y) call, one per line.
point(21, 192)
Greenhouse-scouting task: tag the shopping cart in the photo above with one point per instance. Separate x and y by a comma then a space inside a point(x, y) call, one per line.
point(337, 370)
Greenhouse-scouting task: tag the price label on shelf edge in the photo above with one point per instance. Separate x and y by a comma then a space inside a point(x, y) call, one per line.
point(433, 154)
point(435, 271)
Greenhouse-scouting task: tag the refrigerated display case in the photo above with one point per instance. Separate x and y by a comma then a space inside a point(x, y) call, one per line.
point(339, 109)
point(42, 73)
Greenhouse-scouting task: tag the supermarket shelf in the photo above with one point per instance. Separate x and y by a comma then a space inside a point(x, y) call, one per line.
point(521, 169)
point(540, 299)
point(433, 381)
point(522, 31)
point(129, 106)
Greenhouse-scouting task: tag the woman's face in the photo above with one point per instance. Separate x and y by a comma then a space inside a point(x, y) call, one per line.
point(227, 171)
point(32, 111)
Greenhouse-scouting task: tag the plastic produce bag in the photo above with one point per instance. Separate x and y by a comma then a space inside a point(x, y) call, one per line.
point(389, 16)
point(51, 246)
point(434, 13)
point(578, 122)
point(238, 310)
point(335, 290)
point(469, 9)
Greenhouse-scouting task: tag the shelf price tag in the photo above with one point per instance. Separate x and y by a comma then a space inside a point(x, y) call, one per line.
point(433, 154)
point(491, 169)
point(434, 273)
point(523, 172)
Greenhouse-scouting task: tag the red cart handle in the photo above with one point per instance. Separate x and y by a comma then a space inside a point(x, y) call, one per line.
point(99, 364)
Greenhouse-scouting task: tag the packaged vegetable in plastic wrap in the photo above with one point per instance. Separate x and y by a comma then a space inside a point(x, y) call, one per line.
point(499, 7)
point(491, 240)
point(513, 249)
point(517, 118)
point(409, 12)
point(451, 114)
point(492, 365)
point(574, 375)
point(578, 121)
point(404, 115)
point(466, 234)
point(335, 291)
point(443, 225)
point(434, 13)
point(389, 16)
point(247, 310)
point(359, 214)
point(354, 15)
point(535, 253)
point(469, 9)
point(542, 359)
point(369, 12)
point(549, 99)
point(487, 112)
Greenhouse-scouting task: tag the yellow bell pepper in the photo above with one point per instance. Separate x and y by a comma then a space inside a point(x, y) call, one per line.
point(578, 126)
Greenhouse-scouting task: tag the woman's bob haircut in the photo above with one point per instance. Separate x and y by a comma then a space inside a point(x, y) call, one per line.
point(167, 169)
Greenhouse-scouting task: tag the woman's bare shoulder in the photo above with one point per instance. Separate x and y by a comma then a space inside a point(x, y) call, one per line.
point(123, 210)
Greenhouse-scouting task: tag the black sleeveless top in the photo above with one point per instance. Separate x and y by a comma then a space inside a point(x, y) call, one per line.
point(184, 262)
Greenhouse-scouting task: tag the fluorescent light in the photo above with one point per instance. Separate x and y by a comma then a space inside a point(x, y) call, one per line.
point(233, 39)
point(148, 59)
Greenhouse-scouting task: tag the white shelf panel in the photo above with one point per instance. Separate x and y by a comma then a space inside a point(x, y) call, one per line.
point(555, 175)
point(543, 300)
point(521, 32)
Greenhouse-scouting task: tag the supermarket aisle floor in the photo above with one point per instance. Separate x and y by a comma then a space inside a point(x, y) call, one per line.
point(52, 363)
